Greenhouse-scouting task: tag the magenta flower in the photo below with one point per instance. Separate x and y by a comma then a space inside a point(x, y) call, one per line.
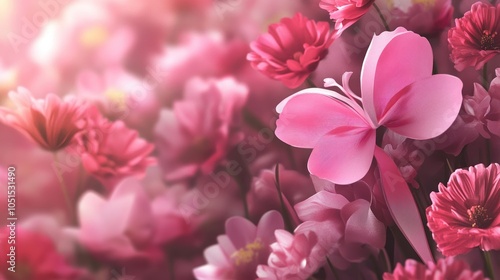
point(110, 151)
point(51, 123)
point(465, 214)
point(197, 133)
point(241, 250)
point(291, 50)
point(475, 39)
point(346, 12)
point(342, 133)
point(444, 269)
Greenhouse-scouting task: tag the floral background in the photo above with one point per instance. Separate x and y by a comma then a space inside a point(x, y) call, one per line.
point(238, 139)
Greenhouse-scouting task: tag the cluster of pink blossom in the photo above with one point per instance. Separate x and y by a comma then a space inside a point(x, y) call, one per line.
point(246, 140)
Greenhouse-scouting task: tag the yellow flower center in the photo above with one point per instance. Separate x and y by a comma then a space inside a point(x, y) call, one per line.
point(93, 36)
point(117, 97)
point(248, 253)
point(478, 216)
point(488, 41)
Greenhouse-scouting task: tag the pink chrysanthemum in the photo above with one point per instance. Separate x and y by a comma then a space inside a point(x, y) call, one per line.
point(50, 122)
point(466, 213)
point(476, 38)
point(110, 151)
point(444, 269)
point(345, 12)
point(291, 49)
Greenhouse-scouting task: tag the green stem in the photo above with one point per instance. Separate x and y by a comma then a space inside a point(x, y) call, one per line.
point(382, 17)
point(376, 268)
point(387, 262)
point(332, 268)
point(64, 190)
point(488, 265)
point(286, 214)
point(485, 76)
point(310, 83)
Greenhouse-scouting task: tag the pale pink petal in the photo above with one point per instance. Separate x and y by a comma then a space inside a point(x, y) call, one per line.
point(424, 109)
point(306, 117)
point(361, 224)
point(384, 74)
point(269, 222)
point(241, 231)
point(401, 205)
point(343, 157)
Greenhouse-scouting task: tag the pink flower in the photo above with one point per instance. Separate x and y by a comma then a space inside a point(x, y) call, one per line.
point(291, 49)
point(358, 232)
point(35, 258)
point(448, 268)
point(294, 256)
point(119, 229)
point(482, 110)
point(120, 95)
point(475, 39)
point(197, 134)
point(346, 12)
point(51, 123)
point(465, 214)
point(244, 246)
point(342, 133)
point(424, 18)
point(86, 34)
point(110, 151)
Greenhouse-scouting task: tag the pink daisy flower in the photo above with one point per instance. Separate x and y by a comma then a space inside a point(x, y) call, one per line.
point(291, 49)
point(475, 39)
point(241, 249)
point(444, 269)
point(51, 122)
point(465, 214)
point(345, 12)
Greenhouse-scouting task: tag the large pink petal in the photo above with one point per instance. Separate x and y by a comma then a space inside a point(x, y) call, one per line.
point(343, 157)
point(393, 61)
point(240, 231)
point(269, 222)
point(426, 108)
point(307, 116)
point(402, 205)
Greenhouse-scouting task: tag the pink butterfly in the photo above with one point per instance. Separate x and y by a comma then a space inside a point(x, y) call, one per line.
point(399, 92)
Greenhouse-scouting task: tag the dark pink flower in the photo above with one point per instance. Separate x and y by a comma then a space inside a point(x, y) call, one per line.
point(291, 49)
point(110, 151)
point(346, 12)
point(35, 258)
point(475, 39)
point(444, 269)
point(241, 250)
point(51, 122)
point(466, 214)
